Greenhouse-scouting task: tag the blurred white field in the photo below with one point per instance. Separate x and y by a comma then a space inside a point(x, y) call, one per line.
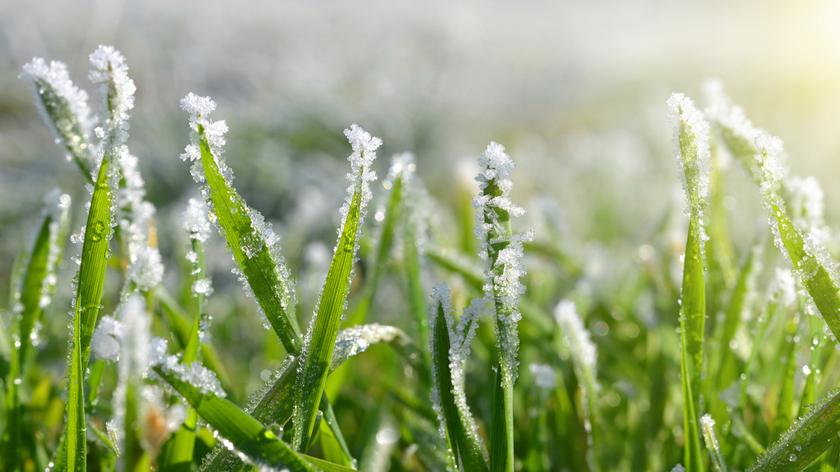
point(575, 90)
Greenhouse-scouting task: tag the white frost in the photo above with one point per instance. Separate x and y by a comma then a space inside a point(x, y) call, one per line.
point(195, 220)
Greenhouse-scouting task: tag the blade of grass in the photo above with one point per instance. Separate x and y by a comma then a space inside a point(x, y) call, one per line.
point(322, 335)
point(241, 430)
point(36, 292)
point(727, 370)
point(807, 439)
point(712, 445)
point(250, 240)
point(692, 136)
point(448, 396)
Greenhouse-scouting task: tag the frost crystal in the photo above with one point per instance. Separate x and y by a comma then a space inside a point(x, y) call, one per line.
point(691, 131)
point(576, 335)
point(145, 268)
point(203, 287)
point(361, 174)
point(461, 334)
point(194, 374)
point(501, 250)
point(544, 376)
point(106, 339)
point(355, 340)
point(64, 107)
point(707, 425)
point(195, 220)
point(783, 287)
point(110, 70)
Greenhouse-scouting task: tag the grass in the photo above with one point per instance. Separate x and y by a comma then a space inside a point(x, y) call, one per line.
point(431, 344)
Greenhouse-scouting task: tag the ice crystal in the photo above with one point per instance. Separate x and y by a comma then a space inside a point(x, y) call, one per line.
point(691, 131)
point(544, 376)
point(195, 220)
point(195, 374)
point(110, 70)
point(106, 338)
point(577, 337)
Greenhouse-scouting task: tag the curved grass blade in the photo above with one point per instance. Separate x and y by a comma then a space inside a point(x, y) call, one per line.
point(810, 436)
point(250, 240)
point(275, 403)
point(762, 156)
point(36, 291)
point(322, 335)
point(692, 134)
point(448, 356)
point(243, 431)
point(65, 110)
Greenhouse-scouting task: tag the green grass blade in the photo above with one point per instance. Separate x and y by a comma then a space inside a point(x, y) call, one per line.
point(321, 339)
point(244, 432)
point(448, 394)
point(762, 156)
point(503, 252)
point(727, 370)
point(36, 290)
point(250, 240)
point(90, 284)
point(275, 403)
point(693, 153)
point(807, 439)
point(712, 445)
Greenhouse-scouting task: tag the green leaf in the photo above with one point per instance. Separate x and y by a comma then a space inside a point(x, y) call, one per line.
point(807, 439)
point(37, 288)
point(457, 420)
point(245, 433)
point(90, 284)
point(321, 339)
point(251, 251)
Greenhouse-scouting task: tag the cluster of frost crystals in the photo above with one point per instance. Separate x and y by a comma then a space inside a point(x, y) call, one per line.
point(577, 337)
point(707, 425)
point(145, 268)
point(358, 339)
point(63, 105)
point(691, 135)
point(105, 342)
point(782, 287)
point(109, 69)
point(57, 207)
point(134, 341)
point(544, 376)
point(503, 268)
point(195, 220)
point(199, 109)
point(361, 174)
point(194, 374)
point(461, 334)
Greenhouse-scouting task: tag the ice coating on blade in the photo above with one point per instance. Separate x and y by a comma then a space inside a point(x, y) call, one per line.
point(782, 288)
point(195, 220)
point(195, 374)
point(707, 424)
point(501, 251)
point(355, 340)
point(364, 146)
point(461, 334)
point(63, 106)
point(580, 344)
point(691, 134)
point(110, 71)
point(106, 338)
point(145, 268)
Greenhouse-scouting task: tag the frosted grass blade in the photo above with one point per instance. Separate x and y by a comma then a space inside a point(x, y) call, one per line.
point(250, 240)
point(692, 135)
point(275, 402)
point(502, 253)
point(810, 436)
point(90, 284)
point(712, 445)
point(322, 335)
point(38, 285)
point(762, 155)
point(447, 392)
point(244, 433)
